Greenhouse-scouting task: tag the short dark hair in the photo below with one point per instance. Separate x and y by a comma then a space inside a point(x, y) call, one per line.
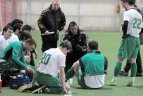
point(24, 36)
point(131, 2)
point(16, 26)
point(93, 45)
point(27, 28)
point(6, 28)
point(16, 21)
point(72, 24)
point(66, 44)
point(31, 41)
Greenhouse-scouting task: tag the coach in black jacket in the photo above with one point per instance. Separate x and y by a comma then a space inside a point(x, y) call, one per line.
point(78, 39)
point(51, 21)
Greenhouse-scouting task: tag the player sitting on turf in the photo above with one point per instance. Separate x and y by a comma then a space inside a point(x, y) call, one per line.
point(92, 65)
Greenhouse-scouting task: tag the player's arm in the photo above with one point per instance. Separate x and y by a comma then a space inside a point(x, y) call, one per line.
point(62, 75)
point(41, 23)
point(76, 67)
point(62, 22)
point(15, 57)
point(124, 29)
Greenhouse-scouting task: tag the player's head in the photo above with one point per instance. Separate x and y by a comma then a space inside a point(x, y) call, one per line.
point(7, 32)
point(73, 28)
point(16, 21)
point(66, 45)
point(93, 45)
point(27, 29)
point(29, 44)
point(126, 3)
point(24, 36)
point(55, 5)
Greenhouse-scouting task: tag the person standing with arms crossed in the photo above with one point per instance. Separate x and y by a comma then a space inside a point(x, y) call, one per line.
point(51, 21)
point(130, 43)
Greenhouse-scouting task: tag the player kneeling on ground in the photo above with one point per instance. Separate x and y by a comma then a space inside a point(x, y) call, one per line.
point(12, 57)
point(51, 65)
point(89, 68)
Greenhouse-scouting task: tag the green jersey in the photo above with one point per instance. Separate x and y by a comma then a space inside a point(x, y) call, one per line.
point(93, 63)
point(15, 50)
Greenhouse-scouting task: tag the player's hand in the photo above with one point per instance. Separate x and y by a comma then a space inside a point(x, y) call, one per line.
point(65, 91)
point(29, 69)
point(66, 88)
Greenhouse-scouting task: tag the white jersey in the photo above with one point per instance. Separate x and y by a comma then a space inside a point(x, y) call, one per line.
point(96, 81)
point(135, 22)
point(13, 38)
point(51, 62)
point(3, 43)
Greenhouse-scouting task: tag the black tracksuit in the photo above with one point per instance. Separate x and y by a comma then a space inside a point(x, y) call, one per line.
point(79, 42)
point(52, 21)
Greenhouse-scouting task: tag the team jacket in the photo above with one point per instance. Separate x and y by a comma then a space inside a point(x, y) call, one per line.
point(78, 41)
point(51, 20)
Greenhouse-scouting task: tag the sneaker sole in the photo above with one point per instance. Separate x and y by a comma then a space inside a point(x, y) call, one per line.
point(22, 88)
point(38, 90)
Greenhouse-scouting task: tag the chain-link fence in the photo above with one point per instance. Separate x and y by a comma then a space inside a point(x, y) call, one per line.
point(89, 14)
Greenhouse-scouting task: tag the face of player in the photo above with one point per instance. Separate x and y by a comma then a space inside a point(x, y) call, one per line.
point(124, 4)
point(74, 30)
point(29, 47)
point(8, 34)
point(55, 5)
point(67, 51)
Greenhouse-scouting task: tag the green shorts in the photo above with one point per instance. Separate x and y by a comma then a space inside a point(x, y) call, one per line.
point(10, 66)
point(53, 83)
point(81, 81)
point(129, 47)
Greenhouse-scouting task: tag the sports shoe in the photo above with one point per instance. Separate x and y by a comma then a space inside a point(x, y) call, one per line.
point(38, 90)
point(139, 75)
point(112, 83)
point(24, 87)
point(130, 84)
point(123, 73)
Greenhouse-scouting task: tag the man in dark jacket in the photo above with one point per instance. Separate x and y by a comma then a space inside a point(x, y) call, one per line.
point(78, 39)
point(51, 21)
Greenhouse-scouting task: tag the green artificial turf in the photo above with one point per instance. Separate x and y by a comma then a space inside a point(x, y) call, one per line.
point(108, 44)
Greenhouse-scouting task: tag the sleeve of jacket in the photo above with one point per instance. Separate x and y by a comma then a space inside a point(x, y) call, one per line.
point(64, 36)
point(84, 39)
point(62, 23)
point(40, 21)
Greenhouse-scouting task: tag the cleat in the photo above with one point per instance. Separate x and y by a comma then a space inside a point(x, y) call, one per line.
point(112, 83)
point(39, 90)
point(24, 87)
point(123, 73)
point(130, 84)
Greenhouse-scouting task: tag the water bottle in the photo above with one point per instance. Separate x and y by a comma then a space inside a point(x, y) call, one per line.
point(0, 83)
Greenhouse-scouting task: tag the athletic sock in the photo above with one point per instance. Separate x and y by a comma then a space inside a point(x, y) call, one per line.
point(133, 69)
point(117, 69)
point(114, 78)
